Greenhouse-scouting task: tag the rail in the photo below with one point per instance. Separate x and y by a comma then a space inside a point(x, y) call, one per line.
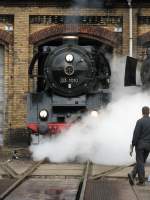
point(116, 169)
point(11, 173)
point(135, 192)
point(21, 179)
point(100, 176)
point(110, 171)
point(85, 178)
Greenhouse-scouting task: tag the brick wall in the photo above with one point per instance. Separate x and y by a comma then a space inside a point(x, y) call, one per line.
point(18, 51)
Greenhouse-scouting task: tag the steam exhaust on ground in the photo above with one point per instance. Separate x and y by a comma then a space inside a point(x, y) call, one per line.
point(104, 139)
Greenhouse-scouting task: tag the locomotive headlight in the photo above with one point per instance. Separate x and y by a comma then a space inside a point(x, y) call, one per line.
point(69, 58)
point(43, 114)
point(94, 113)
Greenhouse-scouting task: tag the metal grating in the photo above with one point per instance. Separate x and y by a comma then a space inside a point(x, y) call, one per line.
point(108, 190)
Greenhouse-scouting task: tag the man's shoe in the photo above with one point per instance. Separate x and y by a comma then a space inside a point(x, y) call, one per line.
point(131, 179)
point(141, 184)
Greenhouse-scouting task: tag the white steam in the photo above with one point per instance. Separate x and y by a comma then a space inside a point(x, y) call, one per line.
point(79, 3)
point(104, 139)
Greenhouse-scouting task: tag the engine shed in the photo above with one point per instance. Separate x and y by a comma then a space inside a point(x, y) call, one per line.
point(27, 25)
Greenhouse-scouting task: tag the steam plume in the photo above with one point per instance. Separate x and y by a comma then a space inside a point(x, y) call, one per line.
point(104, 139)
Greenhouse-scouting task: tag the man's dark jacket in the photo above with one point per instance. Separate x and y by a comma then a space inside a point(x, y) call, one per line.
point(141, 136)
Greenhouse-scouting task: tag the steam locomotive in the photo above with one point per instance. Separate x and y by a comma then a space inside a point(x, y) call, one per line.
point(72, 79)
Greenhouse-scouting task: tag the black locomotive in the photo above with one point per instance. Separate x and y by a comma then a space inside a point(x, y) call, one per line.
point(71, 79)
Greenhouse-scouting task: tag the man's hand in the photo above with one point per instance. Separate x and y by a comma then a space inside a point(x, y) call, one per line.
point(131, 150)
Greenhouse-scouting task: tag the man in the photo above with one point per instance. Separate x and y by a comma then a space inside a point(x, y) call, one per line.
point(141, 142)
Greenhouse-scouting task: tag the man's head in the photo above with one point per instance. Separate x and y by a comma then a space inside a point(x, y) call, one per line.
point(145, 110)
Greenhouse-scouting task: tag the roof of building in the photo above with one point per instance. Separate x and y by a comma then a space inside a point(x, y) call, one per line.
point(86, 3)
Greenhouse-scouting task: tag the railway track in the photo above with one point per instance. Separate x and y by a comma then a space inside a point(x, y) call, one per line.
point(21, 179)
point(37, 171)
point(103, 176)
point(67, 181)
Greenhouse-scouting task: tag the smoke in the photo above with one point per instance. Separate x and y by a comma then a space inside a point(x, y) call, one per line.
point(117, 64)
point(104, 139)
point(79, 3)
point(76, 6)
